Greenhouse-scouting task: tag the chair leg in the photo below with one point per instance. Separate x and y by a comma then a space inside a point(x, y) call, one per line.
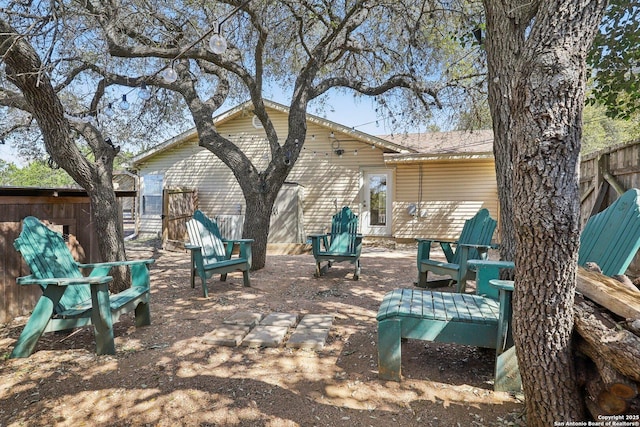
point(318, 270)
point(37, 322)
point(223, 277)
point(422, 279)
point(389, 349)
point(143, 314)
point(245, 278)
point(356, 274)
point(205, 291)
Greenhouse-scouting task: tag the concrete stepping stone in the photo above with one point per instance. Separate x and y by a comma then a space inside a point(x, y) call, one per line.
point(316, 321)
point(265, 336)
point(280, 319)
point(244, 318)
point(227, 335)
point(308, 338)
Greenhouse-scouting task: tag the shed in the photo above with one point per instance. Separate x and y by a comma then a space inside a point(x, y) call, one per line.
point(67, 210)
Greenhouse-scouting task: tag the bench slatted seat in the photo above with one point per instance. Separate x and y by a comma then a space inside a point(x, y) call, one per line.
point(447, 317)
point(71, 300)
point(211, 254)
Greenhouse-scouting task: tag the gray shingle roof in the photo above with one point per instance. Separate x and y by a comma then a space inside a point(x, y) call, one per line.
point(454, 142)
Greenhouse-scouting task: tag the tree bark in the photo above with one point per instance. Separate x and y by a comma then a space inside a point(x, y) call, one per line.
point(25, 70)
point(536, 54)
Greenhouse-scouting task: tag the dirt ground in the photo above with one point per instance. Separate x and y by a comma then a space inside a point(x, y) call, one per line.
point(164, 375)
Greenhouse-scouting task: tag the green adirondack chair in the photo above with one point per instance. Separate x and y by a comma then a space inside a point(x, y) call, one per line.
point(474, 243)
point(69, 299)
point(211, 254)
point(344, 243)
point(610, 239)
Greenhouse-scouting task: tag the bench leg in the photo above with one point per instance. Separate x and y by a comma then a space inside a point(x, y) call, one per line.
point(37, 322)
point(389, 349)
point(507, 372)
point(101, 319)
point(143, 314)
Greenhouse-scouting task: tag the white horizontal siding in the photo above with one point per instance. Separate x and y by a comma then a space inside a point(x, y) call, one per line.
point(328, 179)
point(451, 193)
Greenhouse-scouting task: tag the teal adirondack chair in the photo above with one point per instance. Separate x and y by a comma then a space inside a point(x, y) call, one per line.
point(70, 300)
point(474, 243)
point(344, 243)
point(609, 239)
point(211, 254)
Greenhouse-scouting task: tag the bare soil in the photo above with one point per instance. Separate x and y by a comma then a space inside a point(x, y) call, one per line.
point(165, 375)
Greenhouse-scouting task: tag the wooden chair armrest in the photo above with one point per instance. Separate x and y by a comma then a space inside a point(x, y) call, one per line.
point(63, 281)
point(117, 263)
point(249, 241)
point(434, 240)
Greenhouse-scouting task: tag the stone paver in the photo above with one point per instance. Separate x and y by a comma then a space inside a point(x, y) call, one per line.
point(244, 318)
point(256, 330)
point(309, 338)
point(228, 335)
point(265, 336)
point(280, 319)
point(319, 321)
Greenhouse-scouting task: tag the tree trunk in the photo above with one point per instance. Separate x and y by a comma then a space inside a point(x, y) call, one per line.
point(256, 226)
point(536, 54)
point(25, 70)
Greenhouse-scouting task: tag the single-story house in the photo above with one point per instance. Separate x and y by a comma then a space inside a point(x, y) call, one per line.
point(401, 186)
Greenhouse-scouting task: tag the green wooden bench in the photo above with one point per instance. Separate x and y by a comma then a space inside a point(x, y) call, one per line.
point(474, 243)
point(211, 254)
point(344, 243)
point(478, 320)
point(70, 300)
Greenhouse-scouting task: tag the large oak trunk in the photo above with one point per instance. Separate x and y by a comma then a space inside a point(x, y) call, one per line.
point(536, 59)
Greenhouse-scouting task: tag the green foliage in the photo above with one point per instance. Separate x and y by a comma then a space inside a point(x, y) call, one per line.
point(600, 131)
point(615, 60)
point(36, 174)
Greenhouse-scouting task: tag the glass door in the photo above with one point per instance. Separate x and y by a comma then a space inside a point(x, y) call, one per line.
point(376, 204)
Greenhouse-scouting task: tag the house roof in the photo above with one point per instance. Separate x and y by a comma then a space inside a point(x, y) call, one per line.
point(384, 144)
point(454, 142)
point(438, 146)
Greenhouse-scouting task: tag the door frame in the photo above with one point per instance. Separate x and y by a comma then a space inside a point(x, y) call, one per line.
point(376, 230)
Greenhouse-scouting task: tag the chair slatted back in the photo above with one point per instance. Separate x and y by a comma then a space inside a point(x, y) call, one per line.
point(204, 232)
point(476, 231)
point(344, 230)
point(611, 238)
point(48, 256)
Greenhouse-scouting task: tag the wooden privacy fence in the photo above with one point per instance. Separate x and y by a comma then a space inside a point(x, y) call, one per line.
point(67, 211)
point(604, 176)
point(178, 205)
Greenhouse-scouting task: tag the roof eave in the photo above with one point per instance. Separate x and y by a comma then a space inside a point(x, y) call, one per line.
point(433, 157)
